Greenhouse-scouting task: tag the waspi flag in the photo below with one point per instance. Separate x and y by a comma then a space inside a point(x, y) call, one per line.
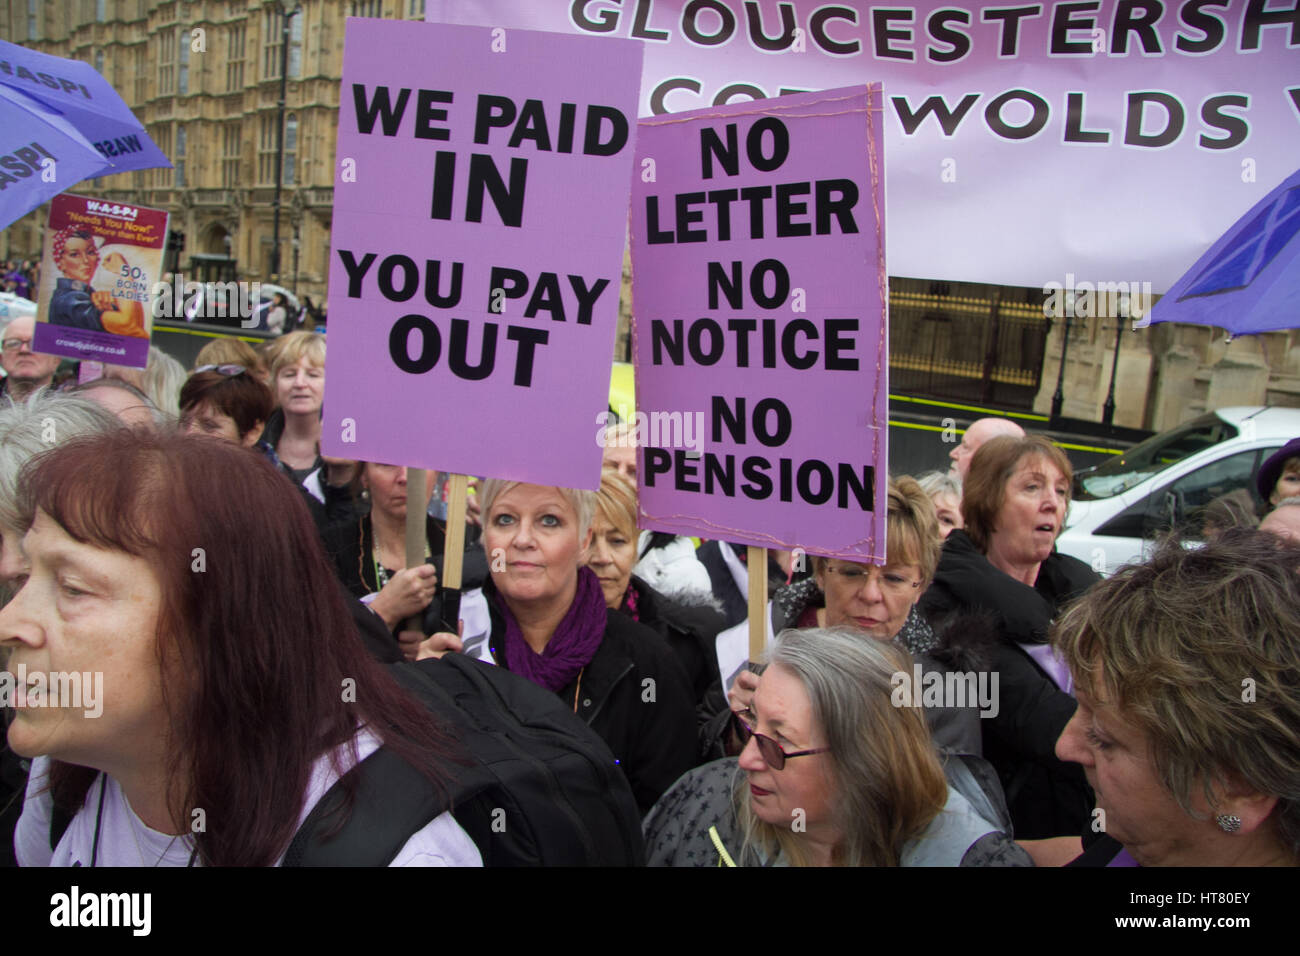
point(60, 123)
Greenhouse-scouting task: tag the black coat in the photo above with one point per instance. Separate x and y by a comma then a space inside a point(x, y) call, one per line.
point(1047, 796)
point(351, 544)
point(635, 694)
point(338, 506)
point(735, 602)
point(689, 629)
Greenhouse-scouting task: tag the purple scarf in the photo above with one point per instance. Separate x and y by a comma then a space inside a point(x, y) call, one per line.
point(1123, 858)
point(570, 648)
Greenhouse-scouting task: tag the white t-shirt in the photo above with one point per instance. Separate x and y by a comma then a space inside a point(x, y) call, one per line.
point(124, 839)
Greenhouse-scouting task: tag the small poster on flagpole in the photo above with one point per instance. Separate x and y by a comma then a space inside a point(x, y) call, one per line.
point(100, 263)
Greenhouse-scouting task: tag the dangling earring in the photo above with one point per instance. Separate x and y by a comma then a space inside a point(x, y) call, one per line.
point(1228, 823)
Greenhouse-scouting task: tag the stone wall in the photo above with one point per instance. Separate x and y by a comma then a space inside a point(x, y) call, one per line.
point(1168, 373)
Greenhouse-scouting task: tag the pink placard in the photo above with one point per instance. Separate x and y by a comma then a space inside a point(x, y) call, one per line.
point(760, 334)
point(480, 211)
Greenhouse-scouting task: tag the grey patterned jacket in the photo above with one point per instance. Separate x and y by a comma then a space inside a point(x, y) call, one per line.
point(695, 824)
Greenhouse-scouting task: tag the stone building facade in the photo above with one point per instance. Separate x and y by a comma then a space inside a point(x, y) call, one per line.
point(1168, 373)
point(204, 78)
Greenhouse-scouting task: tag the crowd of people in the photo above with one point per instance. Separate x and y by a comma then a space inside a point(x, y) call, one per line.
point(20, 277)
point(181, 534)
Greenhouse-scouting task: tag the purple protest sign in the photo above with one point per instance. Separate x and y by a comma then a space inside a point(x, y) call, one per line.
point(480, 211)
point(760, 335)
point(101, 263)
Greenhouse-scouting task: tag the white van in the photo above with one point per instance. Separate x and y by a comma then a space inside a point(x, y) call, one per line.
point(1119, 507)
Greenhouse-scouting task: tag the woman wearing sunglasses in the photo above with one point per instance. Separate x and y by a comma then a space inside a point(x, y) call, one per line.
point(831, 774)
point(225, 401)
point(231, 403)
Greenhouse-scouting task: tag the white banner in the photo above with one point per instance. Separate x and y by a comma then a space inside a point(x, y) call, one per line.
point(1106, 141)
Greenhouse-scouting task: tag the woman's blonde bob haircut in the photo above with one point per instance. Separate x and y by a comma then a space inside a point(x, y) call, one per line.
point(292, 348)
point(1168, 645)
point(911, 529)
point(582, 501)
point(616, 503)
point(885, 778)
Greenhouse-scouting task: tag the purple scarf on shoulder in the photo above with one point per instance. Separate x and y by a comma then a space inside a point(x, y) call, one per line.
point(570, 648)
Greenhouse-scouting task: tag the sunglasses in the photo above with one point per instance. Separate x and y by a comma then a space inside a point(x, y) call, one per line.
point(770, 750)
point(229, 370)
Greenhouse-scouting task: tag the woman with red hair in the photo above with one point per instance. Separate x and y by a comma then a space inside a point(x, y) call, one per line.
point(213, 727)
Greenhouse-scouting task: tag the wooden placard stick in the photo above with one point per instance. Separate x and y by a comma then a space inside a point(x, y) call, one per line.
point(453, 555)
point(756, 563)
point(417, 489)
point(416, 531)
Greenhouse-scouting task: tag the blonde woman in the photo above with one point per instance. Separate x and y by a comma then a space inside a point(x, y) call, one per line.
point(687, 621)
point(298, 382)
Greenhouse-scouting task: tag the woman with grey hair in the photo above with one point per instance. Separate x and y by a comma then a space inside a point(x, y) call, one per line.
point(161, 380)
point(880, 603)
point(837, 770)
point(28, 428)
point(548, 622)
point(944, 489)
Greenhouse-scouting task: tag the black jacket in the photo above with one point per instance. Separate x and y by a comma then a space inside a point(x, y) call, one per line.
point(338, 506)
point(351, 544)
point(735, 602)
point(689, 629)
point(1100, 852)
point(635, 695)
point(1047, 796)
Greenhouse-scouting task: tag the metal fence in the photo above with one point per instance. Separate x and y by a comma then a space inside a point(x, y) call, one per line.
point(966, 342)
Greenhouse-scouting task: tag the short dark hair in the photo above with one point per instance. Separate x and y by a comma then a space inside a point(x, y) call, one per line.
point(246, 400)
point(991, 467)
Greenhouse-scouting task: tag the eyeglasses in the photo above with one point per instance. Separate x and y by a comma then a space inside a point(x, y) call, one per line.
point(891, 582)
point(14, 345)
point(229, 370)
point(770, 750)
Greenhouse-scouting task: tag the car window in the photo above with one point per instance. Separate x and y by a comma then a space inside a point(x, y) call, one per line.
point(1220, 493)
point(1151, 457)
point(1219, 489)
